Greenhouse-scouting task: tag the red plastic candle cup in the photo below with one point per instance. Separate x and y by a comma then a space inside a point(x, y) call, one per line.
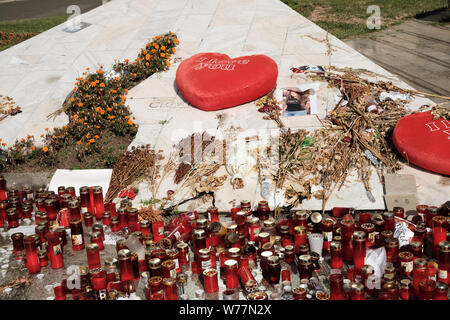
point(158, 230)
point(337, 286)
point(299, 293)
point(210, 280)
point(76, 228)
point(241, 218)
point(305, 266)
point(155, 285)
point(85, 200)
point(132, 218)
point(99, 228)
point(55, 252)
point(416, 248)
point(13, 219)
point(444, 262)
point(98, 279)
point(347, 227)
point(135, 265)
point(427, 289)
point(183, 256)
point(51, 208)
point(420, 273)
point(369, 230)
point(168, 269)
point(43, 258)
point(233, 212)
point(285, 275)
point(441, 291)
point(365, 217)
point(289, 254)
point(231, 274)
point(263, 210)
point(204, 260)
point(3, 214)
point(405, 266)
point(392, 247)
point(3, 188)
point(213, 214)
point(32, 255)
point(300, 218)
point(389, 221)
point(199, 240)
point(88, 219)
point(115, 224)
point(27, 211)
point(106, 218)
point(430, 213)
point(359, 249)
point(357, 292)
point(39, 203)
point(170, 289)
point(154, 267)
point(125, 266)
point(399, 212)
point(99, 206)
point(18, 246)
point(254, 227)
point(247, 280)
point(59, 293)
point(273, 269)
point(123, 217)
point(145, 227)
point(327, 232)
point(439, 232)
point(378, 221)
point(74, 208)
point(336, 255)
point(235, 254)
point(299, 237)
point(173, 255)
point(93, 256)
point(405, 289)
point(178, 233)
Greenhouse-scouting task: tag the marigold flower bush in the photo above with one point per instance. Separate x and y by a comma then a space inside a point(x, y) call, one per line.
point(96, 108)
point(10, 38)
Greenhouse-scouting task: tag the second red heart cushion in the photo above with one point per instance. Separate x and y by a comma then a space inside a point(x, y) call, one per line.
point(214, 81)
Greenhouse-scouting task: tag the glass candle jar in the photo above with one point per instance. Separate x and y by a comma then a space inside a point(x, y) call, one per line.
point(389, 221)
point(430, 213)
point(213, 214)
point(231, 274)
point(3, 188)
point(132, 218)
point(183, 256)
point(55, 253)
point(289, 254)
point(93, 256)
point(13, 219)
point(99, 228)
point(3, 214)
point(145, 226)
point(416, 249)
point(439, 232)
point(264, 237)
point(420, 273)
point(421, 210)
point(74, 208)
point(299, 293)
point(168, 269)
point(98, 205)
point(125, 266)
point(441, 292)
point(337, 286)
point(210, 280)
point(378, 221)
point(65, 199)
point(263, 210)
point(245, 205)
point(173, 255)
point(27, 211)
point(420, 232)
point(59, 292)
point(170, 289)
point(123, 217)
point(43, 258)
point(384, 235)
point(391, 290)
point(347, 227)
point(369, 230)
point(254, 228)
point(76, 228)
point(336, 255)
point(106, 219)
point(269, 227)
point(426, 289)
point(18, 246)
point(154, 267)
point(135, 265)
point(32, 256)
point(39, 203)
point(51, 208)
point(327, 232)
point(96, 237)
point(115, 224)
point(263, 263)
point(405, 289)
point(85, 199)
point(444, 262)
point(299, 237)
point(357, 291)
point(199, 240)
point(300, 218)
point(305, 266)
point(155, 284)
point(391, 245)
point(399, 212)
point(88, 219)
point(98, 279)
point(204, 259)
point(405, 263)
point(359, 249)
point(241, 218)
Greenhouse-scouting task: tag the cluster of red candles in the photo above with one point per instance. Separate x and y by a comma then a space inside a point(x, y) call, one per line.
point(230, 253)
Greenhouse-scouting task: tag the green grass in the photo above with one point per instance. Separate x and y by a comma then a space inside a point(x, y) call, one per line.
point(346, 19)
point(25, 28)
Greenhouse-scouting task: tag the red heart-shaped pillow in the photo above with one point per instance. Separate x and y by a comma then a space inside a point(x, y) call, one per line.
point(214, 81)
point(424, 142)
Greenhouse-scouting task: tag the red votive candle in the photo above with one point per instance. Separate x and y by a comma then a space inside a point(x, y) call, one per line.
point(123, 217)
point(444, 262)
point(427, 289)
point(337, 287)
point(13, 219)
point(439, 232)
point(168, 269)
point(441, 291)
point(76, 228)
point(99, 206)
point(359, 249)
point(327, 232)
point(59, 293)
point(158, 230)
point(176, 234)
point(247, 280)
point(273, 269)
point(183, 256)
point(405, 266)
point(213, 214)
point(336, 255)
point(231, 274)
point(357, 291)
point(96, 237)
point(85, 200)
point(430, 213)
point(18, 246)
point(145, 227)
point(125, 266)
point(111, 207)
point(115, 224)
point(263, 210)
point(299, 293)
point(32, 255)
point(99, 227)
point(93, 256)
point(51, 208)
point(399, 212)
point(299, 237)
point(210, 280)
point(392, 246)
point(285, 275)
point(88, 219)
point(74, 208)
point(347, 227)
point(389, 221)
point(106, 218)
point(420, 273)
point(170, 289)
point(132, 218)
point(55, 253)
point(405, 289)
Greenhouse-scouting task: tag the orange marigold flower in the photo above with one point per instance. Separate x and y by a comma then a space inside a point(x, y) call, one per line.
point(168, 63)
point(130, 122)
point(113, 91)
point(45, 149)
point(28, 137)
point(92, 140)
point(23, 140)
point(124, 98)
point(153, 51)
point(97, 136)
point(41, 135)
point(162, 55)
point(93, 84)
point(174, 50)
point(163, 48)
point(80, 104)
point(126, 117)
point(4, 144)
point(72, 100)
point(147, 64)
point(134, 75)
point(88, 135)
point(75, 116)
point(126, 90)
point(127, 60)
point(176, 41)
point(79, 142)
point(102, 85)
point(46, 129)
point(147, 57)
point(109, 109)
point(100, 71)
point(156, 46)
point(33, 147)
